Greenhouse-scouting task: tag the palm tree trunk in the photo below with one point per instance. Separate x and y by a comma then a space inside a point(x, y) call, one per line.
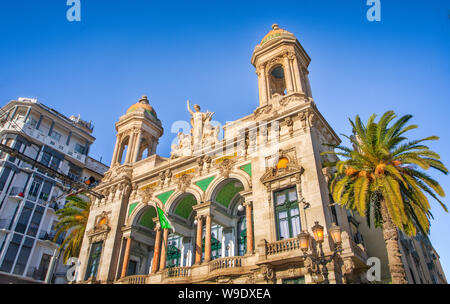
point(390, 234)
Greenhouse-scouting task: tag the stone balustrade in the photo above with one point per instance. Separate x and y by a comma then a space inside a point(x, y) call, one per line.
point(282, 246)
point(177, 272)
point(224, 263)
point(136, 279)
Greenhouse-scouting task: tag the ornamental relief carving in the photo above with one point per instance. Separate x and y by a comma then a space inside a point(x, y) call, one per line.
point(347, 267)
point(290, 124)
point(224, 280)
point(134, 190)
point(262, 110)
point(226, 166)
point(310, 265)
point(184, 182)
point(146, 194)
point(268, 273)
point(274, 172)
point(101, 228)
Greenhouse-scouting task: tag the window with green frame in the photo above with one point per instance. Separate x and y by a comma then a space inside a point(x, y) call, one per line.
point(287, 213)
point(94, 260)
point(299, 280)
point(173, 251)
point(242, 234)
point(216, 244)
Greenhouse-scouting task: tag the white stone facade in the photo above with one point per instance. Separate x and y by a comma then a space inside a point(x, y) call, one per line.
point(237, 204)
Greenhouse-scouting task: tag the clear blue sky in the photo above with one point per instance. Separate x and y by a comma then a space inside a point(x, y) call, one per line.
point(201, 50)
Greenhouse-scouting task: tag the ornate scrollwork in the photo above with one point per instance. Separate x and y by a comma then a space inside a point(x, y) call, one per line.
point(200, 162)
point(146, 193)
point(290, 124)
point(262, 110)
point(101, 228)
point(208, 161)
point(268, 273)
point(250, 279)
point(226, 166)
point(310, 265)
point(184, 182)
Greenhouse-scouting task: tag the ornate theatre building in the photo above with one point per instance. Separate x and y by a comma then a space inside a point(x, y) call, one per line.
point(238, 205)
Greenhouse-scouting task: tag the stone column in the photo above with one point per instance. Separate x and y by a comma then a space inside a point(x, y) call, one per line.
point(162, 265)
point(137, 146)
point(155, 142)
point(116, 149)
point(298, 79)
point(262, 85)
point(130, 148)
point(126, 258)
point(249, 222)
point(308, 85)
point(288, 75)
point(156, 251)
point(198, 241)
point(208, 239)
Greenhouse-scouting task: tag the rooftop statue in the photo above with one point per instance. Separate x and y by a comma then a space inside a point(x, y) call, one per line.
point(203, 134)
point(199, 120)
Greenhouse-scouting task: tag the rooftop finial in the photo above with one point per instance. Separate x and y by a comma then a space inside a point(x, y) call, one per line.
point(144, 99)
point(275, 26)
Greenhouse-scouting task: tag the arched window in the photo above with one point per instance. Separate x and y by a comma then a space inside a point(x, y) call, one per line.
point(123, 151)
point(277, 82)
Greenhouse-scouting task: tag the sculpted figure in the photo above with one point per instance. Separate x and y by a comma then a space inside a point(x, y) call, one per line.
point(198, 120)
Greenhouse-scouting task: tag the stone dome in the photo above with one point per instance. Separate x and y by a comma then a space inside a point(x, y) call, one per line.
point(142, 104)
point(274, 33)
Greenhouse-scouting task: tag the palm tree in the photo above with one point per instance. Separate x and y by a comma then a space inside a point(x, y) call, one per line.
point(72, 221)
point(384, 171)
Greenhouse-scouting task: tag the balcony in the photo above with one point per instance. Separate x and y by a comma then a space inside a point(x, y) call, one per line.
point(4, 224)
point(50, 236)
point(280, 251)
point(26, 167)
point(32, 132)
point(16, 193)
point(225, 263)
point(177, 272)
point(54, 206)
point(134, 280)
point(37, 273)
point(282, 246)
point(228, 266)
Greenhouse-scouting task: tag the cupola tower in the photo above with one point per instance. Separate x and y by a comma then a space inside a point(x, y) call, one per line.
point(138, 132)
point(281, 65)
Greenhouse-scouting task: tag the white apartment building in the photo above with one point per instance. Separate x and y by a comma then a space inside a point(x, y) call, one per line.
point(29, 197)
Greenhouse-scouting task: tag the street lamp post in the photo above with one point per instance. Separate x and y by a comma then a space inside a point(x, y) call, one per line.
point(318, 261)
